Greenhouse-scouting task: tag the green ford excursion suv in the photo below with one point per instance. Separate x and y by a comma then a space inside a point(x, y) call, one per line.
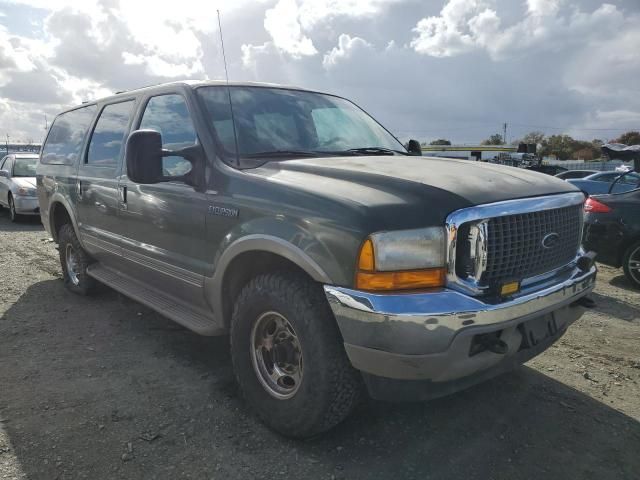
point(337, 261)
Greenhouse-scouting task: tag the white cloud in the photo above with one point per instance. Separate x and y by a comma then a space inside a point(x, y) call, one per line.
point(451, 32)
point(343, 52)
point(283, 24)
point(467, 25)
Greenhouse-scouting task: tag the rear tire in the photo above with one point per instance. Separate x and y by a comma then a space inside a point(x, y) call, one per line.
point(282, 328)
point(74, 262)
point(631, 264)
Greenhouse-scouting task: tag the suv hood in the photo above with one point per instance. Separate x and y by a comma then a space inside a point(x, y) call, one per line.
point(425, 186)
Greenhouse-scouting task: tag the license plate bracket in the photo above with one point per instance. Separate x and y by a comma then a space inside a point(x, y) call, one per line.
point(538, 329)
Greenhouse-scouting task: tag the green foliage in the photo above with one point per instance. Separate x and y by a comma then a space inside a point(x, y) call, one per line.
point(495, 139)
point(629, 138)
point(441, 141)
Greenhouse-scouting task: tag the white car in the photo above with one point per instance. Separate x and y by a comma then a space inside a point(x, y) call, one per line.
point(623, 168)
point(18, 184)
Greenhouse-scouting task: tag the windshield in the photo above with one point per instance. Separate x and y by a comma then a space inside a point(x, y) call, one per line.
point(273, 122)
point(25, 167)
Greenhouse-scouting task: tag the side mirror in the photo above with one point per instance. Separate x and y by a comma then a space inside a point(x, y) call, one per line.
point(4, 173)
point(144, 156)
point(414, 148)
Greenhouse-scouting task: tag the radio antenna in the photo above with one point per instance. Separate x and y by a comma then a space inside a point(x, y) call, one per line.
point(226, 74)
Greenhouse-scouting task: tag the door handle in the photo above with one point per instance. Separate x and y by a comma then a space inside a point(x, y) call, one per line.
point(79, 188)
point(122, 194)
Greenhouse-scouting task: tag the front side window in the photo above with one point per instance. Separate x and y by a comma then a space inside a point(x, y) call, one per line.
point(107, 140)
point(271, 121)
point(25, 167)
point(66, 136)
point(168, 114)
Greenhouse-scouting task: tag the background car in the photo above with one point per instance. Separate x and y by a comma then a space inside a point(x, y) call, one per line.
point(612, 229)
point(601, 182)
point(575, 174)
point(18, 184)
point(548, 169)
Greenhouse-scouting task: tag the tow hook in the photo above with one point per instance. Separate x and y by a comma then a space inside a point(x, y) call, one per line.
point(586, 261)
point(488, 342)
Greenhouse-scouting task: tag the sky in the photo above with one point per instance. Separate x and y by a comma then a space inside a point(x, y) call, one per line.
point(426, 69)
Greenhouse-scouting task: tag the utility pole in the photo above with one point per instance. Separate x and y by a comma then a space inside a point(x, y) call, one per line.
point(7, 143)
point(504, 135)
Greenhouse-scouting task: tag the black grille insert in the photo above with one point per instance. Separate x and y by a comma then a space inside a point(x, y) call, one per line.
point(515, 248)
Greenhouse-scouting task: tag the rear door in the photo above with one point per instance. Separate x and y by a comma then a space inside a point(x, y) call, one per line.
point(165, 223)
point(61, 152)
point(97, 183)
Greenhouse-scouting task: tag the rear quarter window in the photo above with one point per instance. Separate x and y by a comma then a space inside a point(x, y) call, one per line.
point(66, 136)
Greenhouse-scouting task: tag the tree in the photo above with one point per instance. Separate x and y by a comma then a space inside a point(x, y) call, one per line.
point(560, 146)
point(629, 138)
point(440, 141)
point(495, 139)
point(533, 137)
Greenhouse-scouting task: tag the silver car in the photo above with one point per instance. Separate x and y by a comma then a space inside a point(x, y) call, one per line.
point(18, 184)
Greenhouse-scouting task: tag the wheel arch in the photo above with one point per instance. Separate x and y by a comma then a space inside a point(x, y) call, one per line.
point(60, 212)
point(249, 256)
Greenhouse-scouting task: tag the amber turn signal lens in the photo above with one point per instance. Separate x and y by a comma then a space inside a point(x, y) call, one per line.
point(366, 262)
point(405, 280)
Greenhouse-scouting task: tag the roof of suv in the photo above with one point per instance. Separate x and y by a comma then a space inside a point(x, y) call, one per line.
point(190, 83)
point(199, 83)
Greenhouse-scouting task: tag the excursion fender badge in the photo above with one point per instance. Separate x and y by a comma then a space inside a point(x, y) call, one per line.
point(223, 211)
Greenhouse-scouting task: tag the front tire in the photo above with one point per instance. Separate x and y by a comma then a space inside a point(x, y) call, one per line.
point(288, 356)
point(12, 210)
point(631, 264)
point(74, 262)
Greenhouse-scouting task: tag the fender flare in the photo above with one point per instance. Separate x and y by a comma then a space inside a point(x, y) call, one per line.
point(258, 243)
point(59, 198)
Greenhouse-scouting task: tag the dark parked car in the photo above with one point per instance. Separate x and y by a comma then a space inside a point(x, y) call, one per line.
point(575, 174)
point(548, 169)
point(612, 229)
point(607, 182)
point(335, 259)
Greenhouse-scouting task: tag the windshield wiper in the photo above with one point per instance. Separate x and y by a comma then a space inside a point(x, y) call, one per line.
point(376, 151)
point(280, 153)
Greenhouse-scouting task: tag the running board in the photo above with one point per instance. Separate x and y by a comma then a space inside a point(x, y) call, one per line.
point(177, 311)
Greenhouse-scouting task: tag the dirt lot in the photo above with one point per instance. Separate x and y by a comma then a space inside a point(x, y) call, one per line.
point(101, 387)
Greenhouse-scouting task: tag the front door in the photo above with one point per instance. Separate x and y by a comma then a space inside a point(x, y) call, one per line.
point(7, 165)
point(165, 223)
point(97, 184)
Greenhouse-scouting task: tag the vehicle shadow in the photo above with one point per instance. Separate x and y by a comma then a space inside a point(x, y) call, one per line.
point(25, 223)
point(615, 307)
point(621, 281)
point(101, 387)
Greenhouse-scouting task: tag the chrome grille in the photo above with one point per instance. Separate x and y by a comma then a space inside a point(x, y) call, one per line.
point(515, 248)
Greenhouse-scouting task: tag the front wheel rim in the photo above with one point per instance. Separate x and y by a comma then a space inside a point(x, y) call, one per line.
point(73, 266)
point(633, 265)
point(276, 355)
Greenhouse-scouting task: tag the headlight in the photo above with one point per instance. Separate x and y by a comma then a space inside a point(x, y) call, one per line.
point(404, 259)
point(26, 192)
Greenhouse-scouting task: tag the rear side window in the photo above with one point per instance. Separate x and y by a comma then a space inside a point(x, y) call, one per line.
point(65, 138)
point(107, 140)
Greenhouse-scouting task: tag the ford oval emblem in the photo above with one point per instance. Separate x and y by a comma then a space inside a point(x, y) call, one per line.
point(550, 240)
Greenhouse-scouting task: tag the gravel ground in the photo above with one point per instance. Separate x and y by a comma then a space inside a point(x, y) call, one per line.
point(101, 387)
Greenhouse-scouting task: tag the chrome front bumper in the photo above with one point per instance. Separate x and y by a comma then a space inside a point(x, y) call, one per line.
point(415, 336)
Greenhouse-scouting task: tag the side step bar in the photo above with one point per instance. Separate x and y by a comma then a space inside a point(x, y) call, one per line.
point(177, 311)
